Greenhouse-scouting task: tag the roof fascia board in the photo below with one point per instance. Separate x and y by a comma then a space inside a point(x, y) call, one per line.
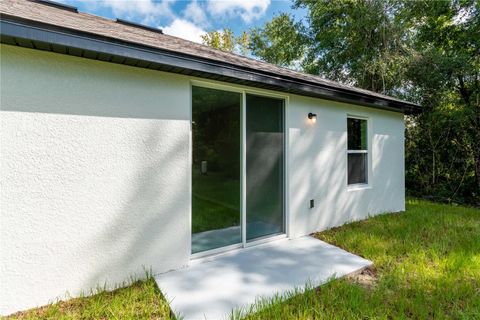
point(25, 29)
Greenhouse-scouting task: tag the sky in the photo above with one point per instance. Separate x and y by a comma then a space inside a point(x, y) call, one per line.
point(189, 19)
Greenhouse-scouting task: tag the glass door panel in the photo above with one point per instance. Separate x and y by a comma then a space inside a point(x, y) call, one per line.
point(216, 169)
point(264, 167)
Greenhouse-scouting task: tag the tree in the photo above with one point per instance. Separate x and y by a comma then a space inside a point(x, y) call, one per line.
point(423, 51)
point(226, 40)
point(280, 41)
point(362, 43)
point(446, 69)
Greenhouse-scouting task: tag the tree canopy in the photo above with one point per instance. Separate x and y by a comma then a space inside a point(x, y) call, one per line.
point(226, 40)
point(423, 51)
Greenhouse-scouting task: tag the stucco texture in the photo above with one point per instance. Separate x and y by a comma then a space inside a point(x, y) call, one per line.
point(94, 175)
point(95, 172)
point(318, 165)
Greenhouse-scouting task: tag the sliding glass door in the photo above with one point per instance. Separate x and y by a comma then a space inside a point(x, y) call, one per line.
point(265, 167)
point(215, 169)
point(223, 121)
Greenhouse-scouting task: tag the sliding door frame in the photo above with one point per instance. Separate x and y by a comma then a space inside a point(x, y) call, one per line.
point(243, 168)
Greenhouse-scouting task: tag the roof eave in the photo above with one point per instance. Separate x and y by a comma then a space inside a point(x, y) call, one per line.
point(21, 30)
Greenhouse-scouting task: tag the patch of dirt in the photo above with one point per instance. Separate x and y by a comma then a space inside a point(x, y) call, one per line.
point(42, 312)
point(366, 277)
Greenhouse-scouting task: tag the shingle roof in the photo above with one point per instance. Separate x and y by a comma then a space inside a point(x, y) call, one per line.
point(92, 24)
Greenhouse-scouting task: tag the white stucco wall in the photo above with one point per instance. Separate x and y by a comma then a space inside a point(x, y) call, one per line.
point(95, 172)
point(318, 165)
point(95, 175)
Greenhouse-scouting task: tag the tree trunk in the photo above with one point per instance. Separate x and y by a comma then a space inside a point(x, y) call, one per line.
point(477, 170)
point(476, 153)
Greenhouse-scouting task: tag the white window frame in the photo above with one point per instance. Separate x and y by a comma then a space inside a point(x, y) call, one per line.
point(244, 90)
point(368, 167)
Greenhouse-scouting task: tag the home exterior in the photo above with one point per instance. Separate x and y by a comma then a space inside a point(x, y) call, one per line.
point(123, 149)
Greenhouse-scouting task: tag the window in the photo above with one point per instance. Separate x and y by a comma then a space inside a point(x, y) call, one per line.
point(357, 151)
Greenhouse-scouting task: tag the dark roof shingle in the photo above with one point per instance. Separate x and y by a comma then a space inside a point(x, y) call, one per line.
point(38, 12)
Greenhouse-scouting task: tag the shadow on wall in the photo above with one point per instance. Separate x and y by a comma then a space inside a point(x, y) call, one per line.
point(146, 232)
point(144, 220)
point(47, 82)
point(318, 171)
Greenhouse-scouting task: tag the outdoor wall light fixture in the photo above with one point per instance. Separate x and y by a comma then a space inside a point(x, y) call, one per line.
point(313, 117)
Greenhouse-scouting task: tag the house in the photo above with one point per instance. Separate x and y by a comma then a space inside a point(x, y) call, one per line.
point(123, 148)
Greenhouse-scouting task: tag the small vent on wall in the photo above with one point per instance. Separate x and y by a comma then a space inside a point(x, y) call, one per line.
point(138, 25)
point(58, 5)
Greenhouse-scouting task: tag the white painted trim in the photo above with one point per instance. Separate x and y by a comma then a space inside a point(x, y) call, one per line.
point(266, 94)
point(234, 250)
point(243, 176)
point(370, 150)
point(358, 151)
point(215, 85)
point(284, 233)
point(243, 154)
point(360, 186)
point(243, 168)
point(286, 158)
point(238, 246)
point(216, 251)
point(190, 159)
point(358, 116)
point(265, 239)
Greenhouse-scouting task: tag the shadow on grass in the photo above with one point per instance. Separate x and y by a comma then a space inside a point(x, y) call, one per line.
point(427, 261)
point(427, 267)
point(133, 299)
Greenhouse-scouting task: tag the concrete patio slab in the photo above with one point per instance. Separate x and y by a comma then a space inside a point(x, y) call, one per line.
point(211, 287)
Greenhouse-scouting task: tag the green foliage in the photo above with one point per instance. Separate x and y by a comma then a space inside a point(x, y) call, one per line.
point(216, 130)
point(426, 266)
point(280, 41)
point(139, 300)
point(426, 263)
point(423, 51)
point(222, 40)
point(443, 148)
point(357, 42)
point(226, 40)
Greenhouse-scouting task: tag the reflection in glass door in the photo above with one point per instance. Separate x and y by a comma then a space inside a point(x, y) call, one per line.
point(264, 167)
point(217, 180)
point(216, 169)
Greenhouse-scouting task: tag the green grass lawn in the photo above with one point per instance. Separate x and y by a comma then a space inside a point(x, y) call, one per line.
point(139, 300)
point(427, 266)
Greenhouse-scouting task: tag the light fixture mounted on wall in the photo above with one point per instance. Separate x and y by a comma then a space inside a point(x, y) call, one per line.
point(313, 117)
